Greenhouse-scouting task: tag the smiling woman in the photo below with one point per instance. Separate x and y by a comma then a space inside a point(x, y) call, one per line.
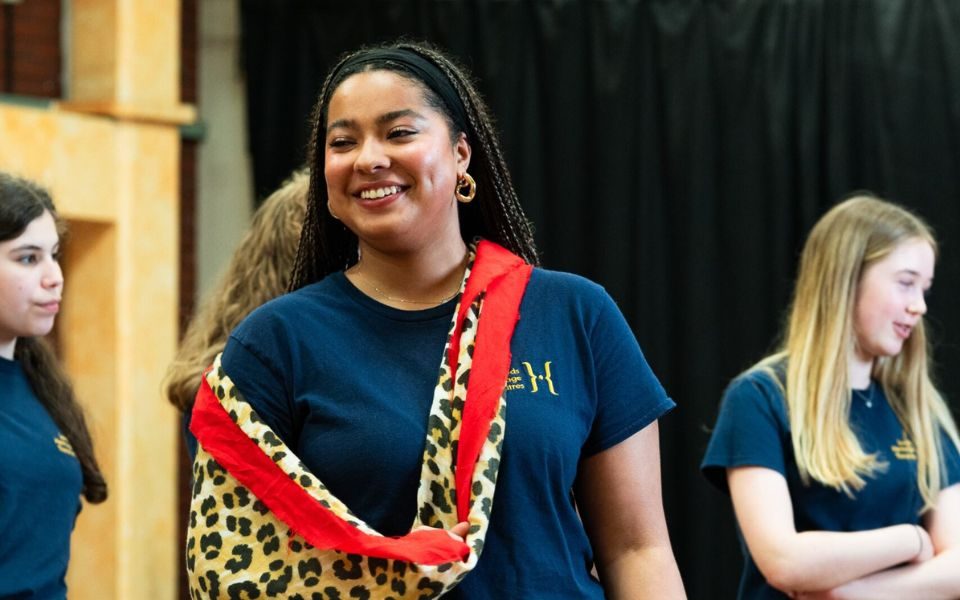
point(46, 454)
point(391, 171)
point(840, 456)
point(364, 424)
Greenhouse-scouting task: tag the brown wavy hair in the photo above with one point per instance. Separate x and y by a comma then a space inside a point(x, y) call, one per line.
point(21, 202)
point(259, 270)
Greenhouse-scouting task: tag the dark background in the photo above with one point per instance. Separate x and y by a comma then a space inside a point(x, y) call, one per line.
point(676, 152)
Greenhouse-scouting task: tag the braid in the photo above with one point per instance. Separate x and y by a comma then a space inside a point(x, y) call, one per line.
point(326, 245)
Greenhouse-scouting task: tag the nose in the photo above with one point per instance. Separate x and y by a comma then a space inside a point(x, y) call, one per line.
point(371, 157)
point(918, 306)
point(53, 275)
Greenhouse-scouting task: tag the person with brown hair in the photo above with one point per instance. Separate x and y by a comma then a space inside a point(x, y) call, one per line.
point(337, 460)
point(840, 455)
point(46, 452)
point(259, 270)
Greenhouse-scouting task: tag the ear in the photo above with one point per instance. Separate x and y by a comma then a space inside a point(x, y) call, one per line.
point(463, 151)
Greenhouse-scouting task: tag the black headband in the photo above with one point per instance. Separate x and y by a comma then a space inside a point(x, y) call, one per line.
point(422, 69)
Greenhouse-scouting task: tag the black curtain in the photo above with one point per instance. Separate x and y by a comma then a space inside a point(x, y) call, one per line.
point(676, 152)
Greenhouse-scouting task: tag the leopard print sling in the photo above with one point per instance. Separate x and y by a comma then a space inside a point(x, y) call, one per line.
point(295, 539)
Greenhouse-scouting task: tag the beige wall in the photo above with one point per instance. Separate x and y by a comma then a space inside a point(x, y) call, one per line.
point(224, 186)
point(110, 156)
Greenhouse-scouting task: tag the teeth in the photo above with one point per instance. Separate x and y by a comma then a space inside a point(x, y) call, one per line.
point(379, 192)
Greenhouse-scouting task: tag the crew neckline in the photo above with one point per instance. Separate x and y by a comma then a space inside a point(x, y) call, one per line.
point(397, 314)
point(8, 366)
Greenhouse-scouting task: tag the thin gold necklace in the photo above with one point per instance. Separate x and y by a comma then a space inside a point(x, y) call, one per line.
point(405, 301)
point(387, 296)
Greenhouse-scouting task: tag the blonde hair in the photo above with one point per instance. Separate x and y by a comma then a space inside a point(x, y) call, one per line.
point(259, 270)
point(820, 336)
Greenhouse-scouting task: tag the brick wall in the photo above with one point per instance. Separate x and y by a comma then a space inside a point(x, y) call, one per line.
point(30, 54)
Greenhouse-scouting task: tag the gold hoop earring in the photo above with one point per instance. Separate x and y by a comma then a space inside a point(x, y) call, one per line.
point(466, 188)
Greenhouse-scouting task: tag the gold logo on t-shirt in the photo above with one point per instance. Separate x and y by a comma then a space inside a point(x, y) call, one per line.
point(904, 449)
point(539, 378)
point(63, 445)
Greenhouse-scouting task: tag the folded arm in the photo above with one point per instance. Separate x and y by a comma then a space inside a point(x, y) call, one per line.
point(936, 578)
point(812, 561)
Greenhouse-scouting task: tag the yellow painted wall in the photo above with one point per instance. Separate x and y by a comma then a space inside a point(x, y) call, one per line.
point(110, 156)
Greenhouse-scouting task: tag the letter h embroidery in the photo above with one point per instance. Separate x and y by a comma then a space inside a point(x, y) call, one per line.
point(546, 377)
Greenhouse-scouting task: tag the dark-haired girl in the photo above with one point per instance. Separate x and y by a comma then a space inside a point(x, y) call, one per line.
point(46, 454)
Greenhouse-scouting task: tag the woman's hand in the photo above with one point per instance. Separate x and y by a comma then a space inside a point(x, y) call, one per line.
point(459, 531)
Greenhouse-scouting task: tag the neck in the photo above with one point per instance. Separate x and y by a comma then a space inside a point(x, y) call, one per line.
point(410, 280)
point(859, 370)
point(7, 347)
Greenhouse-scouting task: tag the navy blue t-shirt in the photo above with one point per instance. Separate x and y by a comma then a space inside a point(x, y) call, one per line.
point(40, 485)
point(347, 382)
point(753, 430)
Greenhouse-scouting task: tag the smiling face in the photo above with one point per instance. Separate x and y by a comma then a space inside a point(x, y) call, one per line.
point(31, 283)
point(890, 299)
point(390, 163)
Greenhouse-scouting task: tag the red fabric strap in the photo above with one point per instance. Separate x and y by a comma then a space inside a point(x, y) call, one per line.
point(503, 276)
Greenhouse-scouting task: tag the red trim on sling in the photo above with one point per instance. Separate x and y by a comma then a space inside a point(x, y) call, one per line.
point(504, 277)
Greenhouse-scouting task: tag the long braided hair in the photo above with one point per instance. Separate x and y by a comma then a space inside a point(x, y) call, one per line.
point(326, 245)
point(21, 202)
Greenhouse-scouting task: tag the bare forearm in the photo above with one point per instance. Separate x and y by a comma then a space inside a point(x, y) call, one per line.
point(649, 572)
point(934, 579)
point(821, 560)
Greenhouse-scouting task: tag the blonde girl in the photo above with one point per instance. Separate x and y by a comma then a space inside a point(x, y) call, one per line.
point(839, 454)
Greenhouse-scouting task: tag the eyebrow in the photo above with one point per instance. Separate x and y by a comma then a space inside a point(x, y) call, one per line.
point(33, 248)
point(912, 272)
point(26, 247)
point(383, 119)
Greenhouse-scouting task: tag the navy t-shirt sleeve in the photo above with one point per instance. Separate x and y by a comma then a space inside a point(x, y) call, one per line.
point(750, 429)
point(189, 441)
point(247, 361)
point(951, 460)
point(629, 396)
